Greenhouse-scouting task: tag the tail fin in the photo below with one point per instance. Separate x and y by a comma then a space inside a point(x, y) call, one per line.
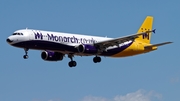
point(147, 25)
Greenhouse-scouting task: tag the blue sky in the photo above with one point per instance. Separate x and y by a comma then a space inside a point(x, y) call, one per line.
point(153, 76)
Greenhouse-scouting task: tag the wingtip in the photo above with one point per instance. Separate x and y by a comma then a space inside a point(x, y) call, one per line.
point(170, 42)
point(154, 30)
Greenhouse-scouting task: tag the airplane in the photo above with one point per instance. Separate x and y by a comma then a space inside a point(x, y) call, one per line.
point(55, 45)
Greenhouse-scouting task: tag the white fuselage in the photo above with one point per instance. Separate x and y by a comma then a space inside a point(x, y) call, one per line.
point(32, 38)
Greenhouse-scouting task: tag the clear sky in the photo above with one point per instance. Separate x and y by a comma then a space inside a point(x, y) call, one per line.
point(153, 76)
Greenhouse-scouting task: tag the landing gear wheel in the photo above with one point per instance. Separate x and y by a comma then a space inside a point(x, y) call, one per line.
point(25, 56)
point(96, 59)
point(72, 64)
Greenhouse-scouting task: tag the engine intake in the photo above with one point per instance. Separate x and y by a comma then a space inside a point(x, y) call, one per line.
point(83, 48)
point(52, 56)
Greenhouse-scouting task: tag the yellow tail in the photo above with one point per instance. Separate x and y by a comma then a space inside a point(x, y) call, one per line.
point(147, 25)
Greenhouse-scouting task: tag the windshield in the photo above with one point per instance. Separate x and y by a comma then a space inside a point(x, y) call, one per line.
point(17, 34)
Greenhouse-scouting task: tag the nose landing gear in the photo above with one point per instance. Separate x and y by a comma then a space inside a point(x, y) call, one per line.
point(26, 52)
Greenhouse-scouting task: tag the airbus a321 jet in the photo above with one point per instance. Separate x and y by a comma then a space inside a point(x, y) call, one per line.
point(55, 45)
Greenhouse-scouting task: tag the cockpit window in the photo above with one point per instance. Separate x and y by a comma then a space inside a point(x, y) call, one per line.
point(14, 34)
point(17, 34)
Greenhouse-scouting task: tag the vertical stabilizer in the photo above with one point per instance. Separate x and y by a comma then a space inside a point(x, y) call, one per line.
point(147, 25)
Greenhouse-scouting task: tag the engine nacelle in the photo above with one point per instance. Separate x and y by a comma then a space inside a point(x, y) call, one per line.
point(52, 56)
point(83, 48)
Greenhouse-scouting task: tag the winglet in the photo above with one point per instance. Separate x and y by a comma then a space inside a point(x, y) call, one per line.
point(154, 30)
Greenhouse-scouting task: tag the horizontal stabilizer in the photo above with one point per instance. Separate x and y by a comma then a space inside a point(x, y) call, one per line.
point(159, 44)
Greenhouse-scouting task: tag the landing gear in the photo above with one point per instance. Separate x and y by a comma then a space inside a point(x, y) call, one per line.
point(26, 52)
point(72, 63)
point(97, 59)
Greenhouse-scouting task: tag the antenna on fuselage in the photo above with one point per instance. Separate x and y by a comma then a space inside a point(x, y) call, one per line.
point(26, 28)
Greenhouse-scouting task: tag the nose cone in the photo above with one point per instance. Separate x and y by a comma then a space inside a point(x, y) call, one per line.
point(8, 40)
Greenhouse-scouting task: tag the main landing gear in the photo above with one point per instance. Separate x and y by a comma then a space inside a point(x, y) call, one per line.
point(26, 52)
point(72, 63)
point(97, 59)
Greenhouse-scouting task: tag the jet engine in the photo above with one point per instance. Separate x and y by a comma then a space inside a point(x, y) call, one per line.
point(83, 48)
point(52, 56)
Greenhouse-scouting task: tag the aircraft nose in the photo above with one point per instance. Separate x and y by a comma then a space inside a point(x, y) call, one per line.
point(8, 40)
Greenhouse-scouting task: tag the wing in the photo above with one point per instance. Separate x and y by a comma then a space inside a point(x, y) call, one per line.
point(112, 42)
